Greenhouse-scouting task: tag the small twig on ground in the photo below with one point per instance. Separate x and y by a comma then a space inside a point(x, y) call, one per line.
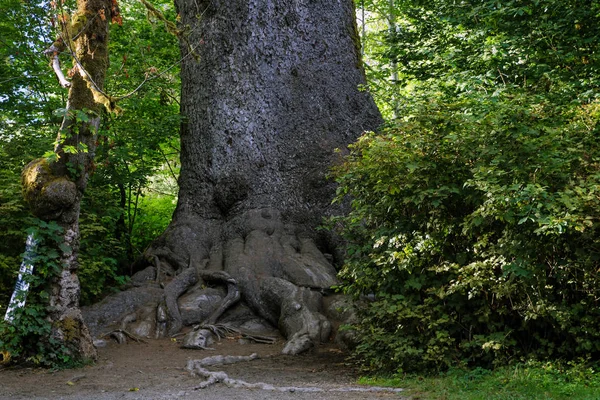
point(77, 378)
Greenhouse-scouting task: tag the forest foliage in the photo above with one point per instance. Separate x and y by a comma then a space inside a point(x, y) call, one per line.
point(473, 236)
point(132, 191)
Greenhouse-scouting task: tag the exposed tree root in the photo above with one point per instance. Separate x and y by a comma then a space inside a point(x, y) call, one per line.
point(121, 335)
point(277, 269)
point(232, 297)
point(202, 336)
point(221, 331)
point(188, 278)
point(219, 360)
point(197, 368)
point(173, 290)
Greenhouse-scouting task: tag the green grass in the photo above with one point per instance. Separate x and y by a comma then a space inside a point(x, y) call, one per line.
point(532, 380)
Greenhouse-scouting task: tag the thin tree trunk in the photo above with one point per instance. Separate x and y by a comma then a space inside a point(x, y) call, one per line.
point(54, 189)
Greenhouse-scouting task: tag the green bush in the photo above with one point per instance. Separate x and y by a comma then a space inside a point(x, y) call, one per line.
point(475, 231)
point(12, 215)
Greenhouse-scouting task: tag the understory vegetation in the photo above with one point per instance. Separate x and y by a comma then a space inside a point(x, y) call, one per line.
point(473, 240)
point(523, 381)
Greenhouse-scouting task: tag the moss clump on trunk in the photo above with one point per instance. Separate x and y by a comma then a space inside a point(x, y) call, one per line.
point(48, 195)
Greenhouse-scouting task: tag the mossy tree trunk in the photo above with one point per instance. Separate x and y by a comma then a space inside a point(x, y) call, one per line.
point(275, 91)
point(54, 187)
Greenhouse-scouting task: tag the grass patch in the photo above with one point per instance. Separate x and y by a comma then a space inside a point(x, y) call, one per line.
point(531, 380)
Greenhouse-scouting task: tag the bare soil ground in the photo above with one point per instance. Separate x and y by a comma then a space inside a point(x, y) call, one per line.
point(156, 370)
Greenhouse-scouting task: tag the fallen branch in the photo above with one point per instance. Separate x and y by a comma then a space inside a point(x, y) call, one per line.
point(197, 368)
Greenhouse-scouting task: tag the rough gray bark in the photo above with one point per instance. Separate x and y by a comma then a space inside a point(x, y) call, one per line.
point(274, 93)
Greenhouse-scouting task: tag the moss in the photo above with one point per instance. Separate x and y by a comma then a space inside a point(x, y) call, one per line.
point(78, 22)
point(34, 176)
point(47, 195)
point(90, 43)
point(70, 329)
point(105, 100)
point(353, 32)
point(4, 357)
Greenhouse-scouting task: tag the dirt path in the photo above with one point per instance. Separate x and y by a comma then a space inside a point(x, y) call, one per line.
point(156, 370)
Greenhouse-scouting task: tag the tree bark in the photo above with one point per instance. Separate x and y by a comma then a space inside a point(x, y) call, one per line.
point(54, 189)
point(275, 91)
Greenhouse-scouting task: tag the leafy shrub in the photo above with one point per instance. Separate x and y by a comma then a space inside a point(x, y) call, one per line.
point(474, 218)
point(474, 227)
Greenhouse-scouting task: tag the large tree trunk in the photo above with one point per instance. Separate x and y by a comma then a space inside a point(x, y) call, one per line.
point(54, 188)
point(275, 91)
